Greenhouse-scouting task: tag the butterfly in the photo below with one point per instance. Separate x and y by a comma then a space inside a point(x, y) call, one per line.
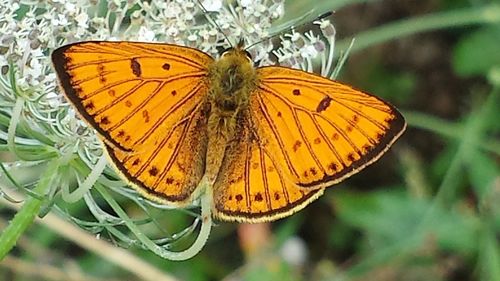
point(266, 141)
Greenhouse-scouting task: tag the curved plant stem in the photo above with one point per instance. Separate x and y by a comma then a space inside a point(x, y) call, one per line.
point(473, 132)
point(14, 120)
point(206, 225)
point(398, 29)
point(28, 212)
point(446, 129)
point(87, 184)
point(300, 12)
point(108, 251)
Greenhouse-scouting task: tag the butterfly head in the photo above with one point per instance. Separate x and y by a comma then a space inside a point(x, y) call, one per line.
point(236, 53)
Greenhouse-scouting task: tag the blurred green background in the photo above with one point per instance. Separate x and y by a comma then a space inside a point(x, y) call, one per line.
point(428, 210)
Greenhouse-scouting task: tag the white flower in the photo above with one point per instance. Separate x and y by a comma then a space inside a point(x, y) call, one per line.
point(53, 99)
point(308, 52)
point(212, 5)
point(82, 20)
point(172, 31)
point(70, 8)
point(171, 10)
point(246, 3)
point(61, 20)
point(145, 34)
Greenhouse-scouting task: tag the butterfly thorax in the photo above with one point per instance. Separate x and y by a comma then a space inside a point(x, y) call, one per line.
point(232, 79)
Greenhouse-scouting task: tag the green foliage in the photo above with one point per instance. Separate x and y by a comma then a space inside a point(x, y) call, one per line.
point(429, 210)
point(390, 216)
point(477, 52)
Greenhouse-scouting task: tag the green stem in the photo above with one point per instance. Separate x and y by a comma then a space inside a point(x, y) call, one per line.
point(26, 215)
point(14, 120)
point(395, 30)
point(298, 13)
point(471, 136)
point(473, 133)
point(446, 129)
point(489, 252)
point(86, 185)
point(206, 224)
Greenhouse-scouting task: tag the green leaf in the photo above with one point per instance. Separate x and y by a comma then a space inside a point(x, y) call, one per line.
point(386, 217)
point(489, 256)
point(478, 52)
point(483, 171)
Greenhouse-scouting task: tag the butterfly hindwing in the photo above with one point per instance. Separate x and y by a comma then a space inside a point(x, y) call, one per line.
point(168, 169)
point(250, 187)
point(320, 131)
point(148, 103)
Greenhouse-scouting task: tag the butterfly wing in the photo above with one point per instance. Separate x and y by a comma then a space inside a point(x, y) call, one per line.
point(320, 131)
point(250, 186)
point(148, 103)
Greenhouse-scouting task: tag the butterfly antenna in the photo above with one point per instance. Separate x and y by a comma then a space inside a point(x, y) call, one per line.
point(213, 22)
point(322, 16)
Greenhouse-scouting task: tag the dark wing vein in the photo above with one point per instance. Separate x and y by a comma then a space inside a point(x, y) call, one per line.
point(264, 177)
point(175, 153)
point(177, 58)
point(336, 127)
point(172, 109)
point(89, 78)
point(327, 139)
point(137, 108)
point(107, 87)
point(308, 144)
point(276, 135)
point(361, 113)
point(151, 157)
point(134, 50)
point(118, 100)
point(247, 174)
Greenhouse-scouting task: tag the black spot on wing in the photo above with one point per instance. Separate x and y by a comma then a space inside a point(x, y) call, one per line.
point(324, 104)
point(136, 67)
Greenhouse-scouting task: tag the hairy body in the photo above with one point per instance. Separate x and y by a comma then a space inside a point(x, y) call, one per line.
point(233, 78)
point(257, 144)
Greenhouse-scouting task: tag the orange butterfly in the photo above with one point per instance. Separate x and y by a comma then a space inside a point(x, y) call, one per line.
point(266, 141)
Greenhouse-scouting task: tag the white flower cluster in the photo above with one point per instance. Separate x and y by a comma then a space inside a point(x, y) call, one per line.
point(298, 50)
point(30, 30)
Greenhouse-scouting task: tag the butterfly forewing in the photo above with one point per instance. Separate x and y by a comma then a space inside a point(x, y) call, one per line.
point(320, 131)
point(123, 86)
point(148, 102)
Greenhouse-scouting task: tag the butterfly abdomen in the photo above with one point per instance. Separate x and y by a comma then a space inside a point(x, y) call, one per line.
point(232, 79)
